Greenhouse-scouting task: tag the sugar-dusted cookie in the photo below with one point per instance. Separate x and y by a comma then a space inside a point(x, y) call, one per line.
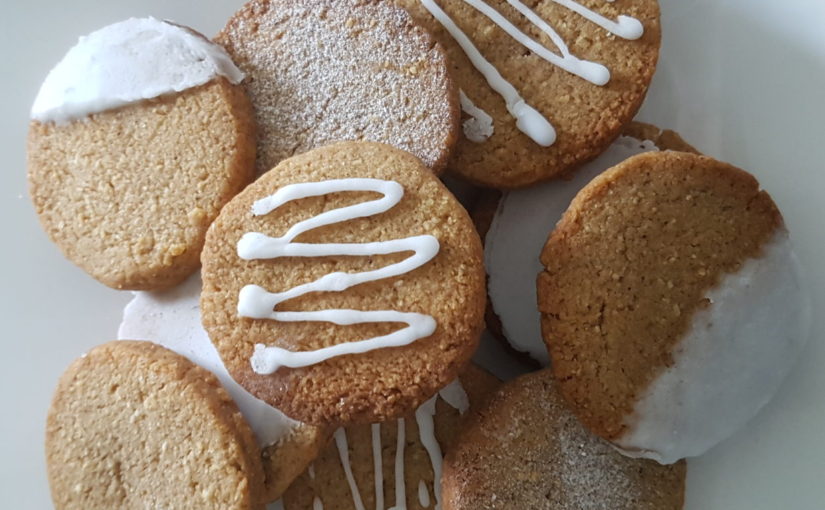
point(323, 71)
point(134, 425)
point(138, 137)
point(525, 450)
point(386, 472)
point(172, 319)
point(545, 87)
point(524, 218)
point(670, 303)
point(344, 286)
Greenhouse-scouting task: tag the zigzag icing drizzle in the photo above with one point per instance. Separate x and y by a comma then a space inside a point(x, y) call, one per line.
point(257, 303)
point(528, 120)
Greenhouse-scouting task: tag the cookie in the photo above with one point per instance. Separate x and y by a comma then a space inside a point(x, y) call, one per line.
point(370, 301)
point(385, 472)
point(546, 87)
point(548, 460)
point(172, 319)
point(134, 425)
point(671, 303)
point(524, 218)
point(138, 137)
point(322, 71)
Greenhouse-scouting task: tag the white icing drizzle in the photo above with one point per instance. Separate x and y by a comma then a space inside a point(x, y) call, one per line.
point(400, 485)
point(426, 433)
point(377, 466)
point(455, 396)
point(479, 127)
point(257, 303)
point(423, 494)
point(311, 471)
point(528, 119)
point(343, 454)
point(317, 504)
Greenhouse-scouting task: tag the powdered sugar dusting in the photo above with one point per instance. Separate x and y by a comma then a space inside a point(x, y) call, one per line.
point(320, 72)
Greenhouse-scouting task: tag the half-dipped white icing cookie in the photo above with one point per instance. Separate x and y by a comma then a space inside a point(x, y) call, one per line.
point(172, 319)
point(670, 303)
point(139, 136)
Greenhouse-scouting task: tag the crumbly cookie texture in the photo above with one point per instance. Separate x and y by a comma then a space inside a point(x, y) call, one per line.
point(628, 267)
point(133, 424)
point(322, 72)
point(326, 479)
point(525, 450)
point(586, 117)
point(128, 194)
point(381, 384)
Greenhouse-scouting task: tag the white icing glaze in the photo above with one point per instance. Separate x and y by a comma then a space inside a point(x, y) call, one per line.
point(455, 396)
point(311, 471)
point(377, 466)
point(729, 364)
point(525, 218)
point(426, 434)
point(255, 302)
point(172, 319)
point(528, 119)
point(423, 494)
point(479, 127)
point(400, 484)
point(343, 454)
point(127, 62)
point(317, 504)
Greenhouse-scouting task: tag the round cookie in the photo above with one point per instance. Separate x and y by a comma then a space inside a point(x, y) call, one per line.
point(523, 218)
point(381, 272)
point(134, 425)
point(548, 460)
point(404, 475)
point(558, 113)
point(322, 71)
point(138, 137)
point(671, 303)
point(172, 319)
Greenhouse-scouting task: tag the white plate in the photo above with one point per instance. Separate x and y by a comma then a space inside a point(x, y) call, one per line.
point(743, 80)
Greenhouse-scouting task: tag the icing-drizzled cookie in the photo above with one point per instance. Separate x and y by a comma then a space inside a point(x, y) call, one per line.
point(135, 425)
point(525, 450)
point(345, 285)
point(671, 303)
point(172, 319)
point(395, 464)
point(138, 137)
point(323, 71)
point(545, 86)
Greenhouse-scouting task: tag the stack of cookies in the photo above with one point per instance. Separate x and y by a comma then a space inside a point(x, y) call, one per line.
point(309, 293)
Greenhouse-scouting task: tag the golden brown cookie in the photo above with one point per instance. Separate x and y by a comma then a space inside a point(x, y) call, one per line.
point(127, 174)
point(525, 450)
point(670, 303)
point(322, 71)
point(134, 425)
point(586, 117)
point(326, 480)
point(353, 267)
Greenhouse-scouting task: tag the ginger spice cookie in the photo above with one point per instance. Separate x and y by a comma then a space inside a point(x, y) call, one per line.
point(524, 218)
point(323, 71)
point(368, 467)
point(172, 318)
point(134, 425)
point(525, 450)
point(671, 303)
point(138, 137)
point(344, 286)
point(545, 87)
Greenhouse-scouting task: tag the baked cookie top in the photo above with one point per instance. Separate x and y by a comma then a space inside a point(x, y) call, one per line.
point(134, 425)
point(544, 87)
point(139, 136)
point(547, 459)
point(346, 285)
point(670, 303)
point(172, 318)
point(322, 71)
point(393, 464)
